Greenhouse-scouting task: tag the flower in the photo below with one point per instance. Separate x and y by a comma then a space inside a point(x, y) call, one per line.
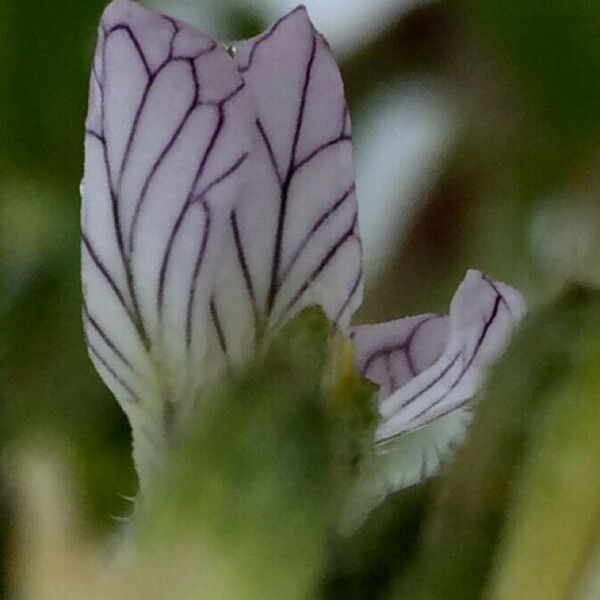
point(218, 200)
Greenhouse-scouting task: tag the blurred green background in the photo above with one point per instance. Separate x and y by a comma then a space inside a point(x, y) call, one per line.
point(476, 128)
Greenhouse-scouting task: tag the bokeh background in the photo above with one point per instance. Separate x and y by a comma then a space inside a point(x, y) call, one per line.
point(476, 137)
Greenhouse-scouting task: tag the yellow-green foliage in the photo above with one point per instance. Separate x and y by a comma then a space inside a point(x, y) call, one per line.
point(247, 507)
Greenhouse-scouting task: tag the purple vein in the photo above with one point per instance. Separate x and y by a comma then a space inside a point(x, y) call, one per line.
point(315, 228)
point(269, 148)
point(301, 163)
point(435, 380)
point(220, 103)
point(137, 318)
point(96, 77)
point(487, 324)
point(485, 329)
point(214, 314)
point(500, 295)
point(175, 27)
point(105, 337)
point(333, 250)
point(400, 347)
point(154, 169)
point(142, 105)
point(302, 107)
point(274, 284)
point(124, 27)
point(390, 372)
point(106, 274)
point(350, 295)
point(410, 363)
point(183, 212)
point(264, 37)
point(241, 257)
point(95, 135)
point(197, 267)
point(133, 131)
point(159, 160)
point(208, 50)
point(220, 178)
point(189, 202)
point(133, 396)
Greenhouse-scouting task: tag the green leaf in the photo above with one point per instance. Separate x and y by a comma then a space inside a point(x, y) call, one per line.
point(473, 501)
point(555, 519)
point(551, 50)
point(361, 565)
point(250, 496)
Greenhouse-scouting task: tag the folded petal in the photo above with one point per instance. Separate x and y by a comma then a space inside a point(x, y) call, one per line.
point(430, 365)
point(167, 140)
point(293, 237)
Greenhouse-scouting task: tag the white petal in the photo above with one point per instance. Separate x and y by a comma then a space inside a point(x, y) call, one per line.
point(409, 460)
point(167, 138)
point(293, 238)
point(420, 453)
point(428, 366)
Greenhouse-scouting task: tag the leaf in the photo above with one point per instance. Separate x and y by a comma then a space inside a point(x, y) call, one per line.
point(555, 518)
point(250, 495)
point(554, 74)
point(469, 513)
point(360, 566)
point(293, 237)
point(350, 402)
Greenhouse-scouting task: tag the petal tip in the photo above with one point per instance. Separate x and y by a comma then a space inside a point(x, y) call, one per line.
point(300, 9)
point(473, 282)
point(299, 14)
point(120, 8)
